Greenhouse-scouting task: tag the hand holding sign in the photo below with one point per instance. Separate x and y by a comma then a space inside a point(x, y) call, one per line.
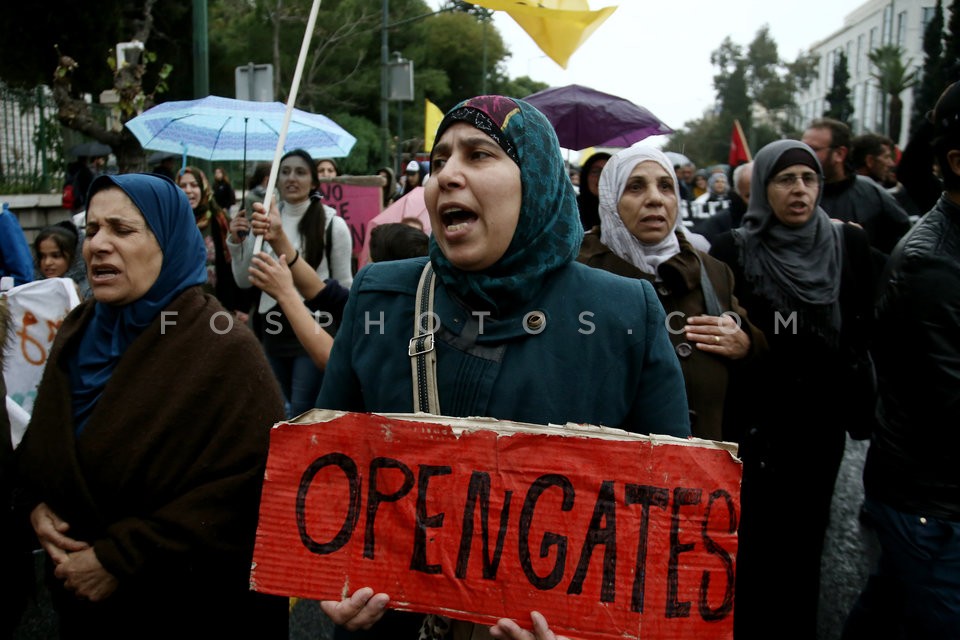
point(359, 611)
point(618, 535)
point(507, 629)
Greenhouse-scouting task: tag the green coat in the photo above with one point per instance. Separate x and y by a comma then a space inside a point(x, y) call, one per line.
point(707, 376)
point(602, 356)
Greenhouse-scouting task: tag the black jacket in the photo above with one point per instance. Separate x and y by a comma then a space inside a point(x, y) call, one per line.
point(912, 462)
point(806, 386)
point(861, 200)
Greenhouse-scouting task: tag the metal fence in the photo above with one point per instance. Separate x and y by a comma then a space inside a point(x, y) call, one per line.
point(34, 146)
point(31, 144)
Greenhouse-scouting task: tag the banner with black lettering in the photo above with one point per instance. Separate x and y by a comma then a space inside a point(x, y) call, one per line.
point(608, 534)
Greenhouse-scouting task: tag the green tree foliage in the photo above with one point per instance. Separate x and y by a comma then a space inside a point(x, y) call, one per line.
point(768, 83)
point(933, 73)
point(838, 98)
point(702, 140)
point(88, 31)
point(951, 48)
point(803, 70)
point(751, 81)
point(342, 77)
point(893, 78)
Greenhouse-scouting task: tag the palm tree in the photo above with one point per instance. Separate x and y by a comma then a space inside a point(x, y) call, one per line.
point(893, 78)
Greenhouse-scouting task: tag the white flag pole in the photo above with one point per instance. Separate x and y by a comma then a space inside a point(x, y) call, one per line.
point(291, 99)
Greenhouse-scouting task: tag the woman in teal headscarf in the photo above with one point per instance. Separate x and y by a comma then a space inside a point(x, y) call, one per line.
point(141, 466)
point(509, 298)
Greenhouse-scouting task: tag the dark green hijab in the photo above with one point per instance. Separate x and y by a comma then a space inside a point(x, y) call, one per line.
point(548, 233)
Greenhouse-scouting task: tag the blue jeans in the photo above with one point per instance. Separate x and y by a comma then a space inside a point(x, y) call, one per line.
point(299, 380)
point(914, 592)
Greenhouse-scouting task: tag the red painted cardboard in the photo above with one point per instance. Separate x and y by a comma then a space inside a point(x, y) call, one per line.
point(608, 534)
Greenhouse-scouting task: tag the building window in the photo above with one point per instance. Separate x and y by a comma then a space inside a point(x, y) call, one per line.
point(858, 107)
point(887, 35)
point(901, 28)
point(879, 126)
point(928, 13)
point(860, 54)
point(873, 39)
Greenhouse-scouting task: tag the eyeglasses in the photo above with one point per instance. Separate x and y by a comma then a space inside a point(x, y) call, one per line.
point(786, 180)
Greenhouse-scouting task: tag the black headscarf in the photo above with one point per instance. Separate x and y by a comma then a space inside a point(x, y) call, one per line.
point(797, 269)
point(588, 203)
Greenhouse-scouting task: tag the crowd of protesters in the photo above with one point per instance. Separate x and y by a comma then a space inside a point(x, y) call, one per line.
point(815, 293)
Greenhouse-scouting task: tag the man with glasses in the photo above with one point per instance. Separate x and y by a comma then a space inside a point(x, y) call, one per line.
point(850, 197)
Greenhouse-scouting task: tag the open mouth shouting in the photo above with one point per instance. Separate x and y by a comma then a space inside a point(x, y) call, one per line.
point(654, 220)
point(103, 274)
point(457, 220)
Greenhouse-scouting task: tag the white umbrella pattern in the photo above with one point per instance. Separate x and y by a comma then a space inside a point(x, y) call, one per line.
point(217, 128)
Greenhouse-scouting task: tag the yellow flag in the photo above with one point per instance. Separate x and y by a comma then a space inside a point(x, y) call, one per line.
point(558, 27)
point(431, 120)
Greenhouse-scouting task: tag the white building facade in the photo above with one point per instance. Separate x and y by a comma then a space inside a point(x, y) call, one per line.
point(873, 24)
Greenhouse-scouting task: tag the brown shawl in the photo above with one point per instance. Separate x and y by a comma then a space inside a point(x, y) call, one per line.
point(165, 479)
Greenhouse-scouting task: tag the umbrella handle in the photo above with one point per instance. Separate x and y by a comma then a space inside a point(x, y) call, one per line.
point(291, 99)
point(243, 171)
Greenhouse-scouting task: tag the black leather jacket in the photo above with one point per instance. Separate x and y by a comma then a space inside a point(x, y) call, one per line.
point(914, 458)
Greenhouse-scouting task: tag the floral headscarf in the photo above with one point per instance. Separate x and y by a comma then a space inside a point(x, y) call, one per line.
point(548, 233)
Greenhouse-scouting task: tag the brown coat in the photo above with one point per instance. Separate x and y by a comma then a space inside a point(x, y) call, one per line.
point(165, 479)
point(707, 376)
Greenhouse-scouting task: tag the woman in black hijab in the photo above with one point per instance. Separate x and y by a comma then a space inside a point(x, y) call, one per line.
point(808, 283)
point(588, 200)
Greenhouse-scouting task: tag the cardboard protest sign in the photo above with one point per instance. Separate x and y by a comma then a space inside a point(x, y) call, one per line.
point(357, 199)
point(36, 311)
point(608, 534)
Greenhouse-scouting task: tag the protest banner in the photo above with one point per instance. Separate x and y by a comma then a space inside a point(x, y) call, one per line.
point(357, 199)
point(608, 534)
point(36, 311)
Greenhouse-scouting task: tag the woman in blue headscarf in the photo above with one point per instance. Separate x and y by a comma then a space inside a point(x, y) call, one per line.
point(509, 297)
point(141, 468)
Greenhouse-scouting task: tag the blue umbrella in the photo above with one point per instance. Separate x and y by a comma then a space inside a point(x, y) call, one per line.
point(215, 128)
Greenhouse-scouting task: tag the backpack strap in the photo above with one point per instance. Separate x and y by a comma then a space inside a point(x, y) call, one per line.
point(328, 245)
point(422, 347)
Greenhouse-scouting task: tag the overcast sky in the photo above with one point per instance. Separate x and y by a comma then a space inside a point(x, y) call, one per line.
point(658, 53)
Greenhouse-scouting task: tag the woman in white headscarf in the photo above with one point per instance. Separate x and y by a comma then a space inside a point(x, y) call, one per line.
point(641, 236)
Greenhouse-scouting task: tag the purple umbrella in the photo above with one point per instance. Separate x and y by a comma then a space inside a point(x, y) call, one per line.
point(584, 117)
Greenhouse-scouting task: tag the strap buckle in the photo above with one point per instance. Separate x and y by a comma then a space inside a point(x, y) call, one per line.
point(420, 345)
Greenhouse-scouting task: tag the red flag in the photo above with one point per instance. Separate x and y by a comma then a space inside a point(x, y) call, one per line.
point(739, 149)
